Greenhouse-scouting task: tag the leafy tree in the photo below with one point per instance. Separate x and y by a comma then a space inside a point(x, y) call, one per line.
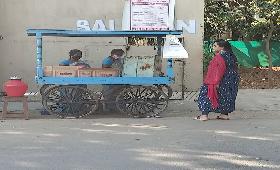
point(267, 19)
point(215, 18)
point(246, 19)
point(267, 23)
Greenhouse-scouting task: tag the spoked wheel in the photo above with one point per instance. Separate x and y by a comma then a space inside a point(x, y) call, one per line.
point(70, 101)
point(141, 101)
point(166, 89)
point(45, 88)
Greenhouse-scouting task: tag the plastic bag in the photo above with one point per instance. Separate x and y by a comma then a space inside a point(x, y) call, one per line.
point(173, 48)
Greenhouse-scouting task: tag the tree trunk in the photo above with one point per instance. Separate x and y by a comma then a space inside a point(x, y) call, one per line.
point(268, 52)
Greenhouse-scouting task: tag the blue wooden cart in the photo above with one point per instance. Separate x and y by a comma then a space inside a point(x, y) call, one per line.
point(138, 96)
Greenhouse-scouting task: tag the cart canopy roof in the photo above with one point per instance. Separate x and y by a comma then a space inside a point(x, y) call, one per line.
point(76, 33)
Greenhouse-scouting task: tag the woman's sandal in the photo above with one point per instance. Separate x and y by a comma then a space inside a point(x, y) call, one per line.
point(223, 117)
point(201, 118)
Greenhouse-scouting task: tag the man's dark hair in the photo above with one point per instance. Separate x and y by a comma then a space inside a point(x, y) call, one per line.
point(118, 52)
point(75, 53)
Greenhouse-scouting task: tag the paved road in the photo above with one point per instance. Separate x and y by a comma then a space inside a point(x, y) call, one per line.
point(122, 143)
point(251, 140)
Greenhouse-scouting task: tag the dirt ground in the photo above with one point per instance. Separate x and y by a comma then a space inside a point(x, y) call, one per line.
point(257, 78)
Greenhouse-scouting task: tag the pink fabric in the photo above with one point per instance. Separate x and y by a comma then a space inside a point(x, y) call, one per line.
point(215, 73)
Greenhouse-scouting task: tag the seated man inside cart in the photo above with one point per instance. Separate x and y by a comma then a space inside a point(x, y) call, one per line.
point(114, 60)
point(74, 59)
point(75, 56)
point(110, 92)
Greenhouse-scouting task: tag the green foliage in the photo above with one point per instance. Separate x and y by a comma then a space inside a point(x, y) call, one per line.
point(215, 19)
point(207, 54)
point(268, 17)
point(246, 19)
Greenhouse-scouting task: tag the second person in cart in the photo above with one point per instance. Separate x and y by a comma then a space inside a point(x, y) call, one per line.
point(114, 60)
point(110, 92)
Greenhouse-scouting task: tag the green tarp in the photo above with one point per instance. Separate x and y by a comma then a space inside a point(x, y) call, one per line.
point(252, 53)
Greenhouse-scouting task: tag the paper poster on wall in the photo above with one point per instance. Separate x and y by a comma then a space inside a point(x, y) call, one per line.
point(149, 14)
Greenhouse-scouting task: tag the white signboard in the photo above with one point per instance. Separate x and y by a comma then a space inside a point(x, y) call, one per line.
point(149, 14)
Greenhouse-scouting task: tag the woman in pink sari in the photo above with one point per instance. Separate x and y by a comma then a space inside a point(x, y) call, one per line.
point(220, 85)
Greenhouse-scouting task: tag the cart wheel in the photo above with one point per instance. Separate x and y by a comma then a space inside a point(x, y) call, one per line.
point(45, 88)
point(166, 89)
point(141, 101)
point(70, 101)
point(160, 101)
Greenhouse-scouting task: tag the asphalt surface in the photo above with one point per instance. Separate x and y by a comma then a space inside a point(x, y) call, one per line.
point(250, 140)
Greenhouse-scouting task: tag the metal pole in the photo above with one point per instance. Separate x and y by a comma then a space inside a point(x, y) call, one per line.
point(169, 69)
point(39, 69)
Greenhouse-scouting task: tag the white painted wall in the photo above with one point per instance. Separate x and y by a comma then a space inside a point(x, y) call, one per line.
point(17, 50)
